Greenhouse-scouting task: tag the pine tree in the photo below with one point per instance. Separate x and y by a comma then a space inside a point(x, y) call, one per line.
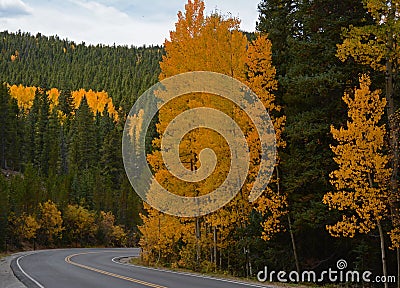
point(4, 125)
point(4, 211)
point(82, 146)
point(41, 151)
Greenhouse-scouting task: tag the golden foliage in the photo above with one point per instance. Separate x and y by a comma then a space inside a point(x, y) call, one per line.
point(210, 43)
point(28, 226)
point(24, 95)
point(369, 44)
point(261, 79)
point(50, 221)
point(97, 101)
point(362, 177)
point(114, 235)
point(79, 222)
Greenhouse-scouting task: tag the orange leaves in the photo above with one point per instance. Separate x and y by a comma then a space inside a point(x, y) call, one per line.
point(208, 43)
point(24, 95)
point(97, 101)
point(15, 56)
point(272, 205)
point(261, 79)
point(211, 43)
point(50, 221)
point(362, 177)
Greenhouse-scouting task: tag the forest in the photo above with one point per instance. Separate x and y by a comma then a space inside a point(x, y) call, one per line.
point(325, 71)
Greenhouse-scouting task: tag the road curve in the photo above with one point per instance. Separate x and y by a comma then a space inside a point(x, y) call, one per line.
point(86, 268)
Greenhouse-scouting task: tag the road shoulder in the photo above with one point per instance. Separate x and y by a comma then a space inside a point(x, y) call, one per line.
point(7, 276)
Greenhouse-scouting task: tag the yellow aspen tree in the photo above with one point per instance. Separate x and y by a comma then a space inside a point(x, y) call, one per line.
point(377, 46)
point(208, 43)
point(118, 236)
point(79, 222)
point(53, 95)
point(160, 236)
point(23, 95)
point(50, 221)
point(112, 234)
point(28, 227)
point(362, 178)
point(261, 79)
point(97, 101)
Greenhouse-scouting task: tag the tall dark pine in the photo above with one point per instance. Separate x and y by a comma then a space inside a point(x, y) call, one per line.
point(9, 131)
point(82, 148)
point(66, 102)
point(41, 137)
point(4, 121)
point(53, 138)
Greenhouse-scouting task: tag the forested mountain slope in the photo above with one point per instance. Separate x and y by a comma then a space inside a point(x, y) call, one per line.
point(37, 60)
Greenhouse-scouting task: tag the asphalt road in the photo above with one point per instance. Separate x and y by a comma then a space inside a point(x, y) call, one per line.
point(86, 268)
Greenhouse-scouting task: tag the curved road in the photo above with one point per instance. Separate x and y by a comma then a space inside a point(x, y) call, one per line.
point(85, 268)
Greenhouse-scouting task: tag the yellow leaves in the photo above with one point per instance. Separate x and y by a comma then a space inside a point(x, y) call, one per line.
point(50, 220)
point(373, 45)
point(273, 206)
point(97, 101)
point(346, 228)
point(364, 45)
point(24, 95)
point(15, 56)
point(114, 235)
point(362, 177)
point(261, 79)
point(209, 43)
point(395, 237)
point(118, 236)
point(161, 232)
point(53, 95)
point(79, 221)
point(28, 226)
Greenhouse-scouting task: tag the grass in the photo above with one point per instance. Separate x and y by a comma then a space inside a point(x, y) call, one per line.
point(2, 255)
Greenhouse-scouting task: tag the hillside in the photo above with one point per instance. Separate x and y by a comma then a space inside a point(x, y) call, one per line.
point(124, 72)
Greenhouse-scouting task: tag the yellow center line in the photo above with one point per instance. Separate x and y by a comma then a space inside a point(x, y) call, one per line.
point(144, 283)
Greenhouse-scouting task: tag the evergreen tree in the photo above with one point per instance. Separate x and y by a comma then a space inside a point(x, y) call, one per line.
point(82, 147)
point(41, 143)
point(9, 131)
point(4, 211)
point(4, 125)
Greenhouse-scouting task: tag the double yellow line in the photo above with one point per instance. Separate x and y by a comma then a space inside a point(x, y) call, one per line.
point(144, 283)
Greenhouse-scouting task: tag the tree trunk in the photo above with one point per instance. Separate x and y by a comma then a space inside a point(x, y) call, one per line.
point(393, 138)
point(215, 245)
point(296, 259)
point(384, 268)
point(198, 242)
point(398, 267)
